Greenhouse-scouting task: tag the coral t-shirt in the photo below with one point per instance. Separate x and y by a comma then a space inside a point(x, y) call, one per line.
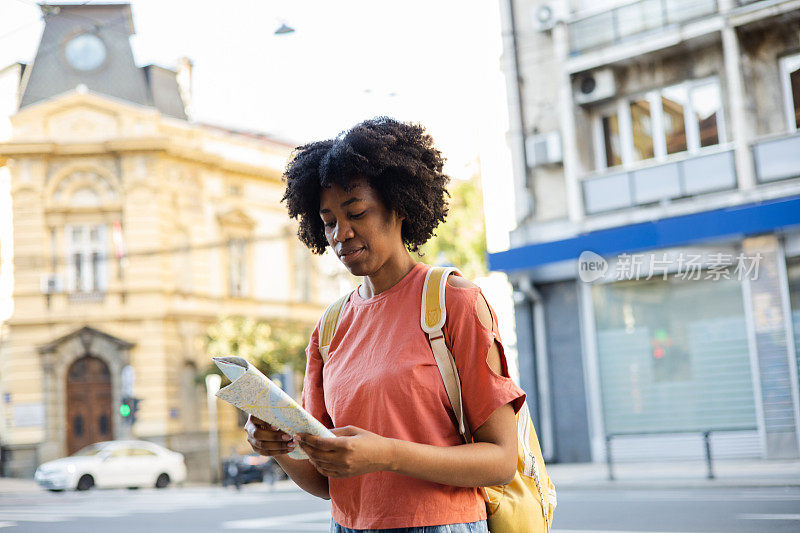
point(381, 376)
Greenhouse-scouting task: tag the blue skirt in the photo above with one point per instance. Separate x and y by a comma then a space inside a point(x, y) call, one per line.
point(464, 527)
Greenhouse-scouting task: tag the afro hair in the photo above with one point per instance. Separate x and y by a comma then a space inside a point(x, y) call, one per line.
point(397, 159)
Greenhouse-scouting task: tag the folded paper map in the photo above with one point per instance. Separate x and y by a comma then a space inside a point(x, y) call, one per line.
point(252, 392)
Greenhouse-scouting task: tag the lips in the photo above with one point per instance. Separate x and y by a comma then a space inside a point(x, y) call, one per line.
point(352, 253)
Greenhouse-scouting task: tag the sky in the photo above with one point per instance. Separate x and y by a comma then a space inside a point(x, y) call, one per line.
point(436, 62)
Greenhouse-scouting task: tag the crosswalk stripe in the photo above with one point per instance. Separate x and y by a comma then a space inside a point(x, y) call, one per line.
point(768, 516)
point(79, 507)
point(611, 531)
point(294, 520)
point(33, 517)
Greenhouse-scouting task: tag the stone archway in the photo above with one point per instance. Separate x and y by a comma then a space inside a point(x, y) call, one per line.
point(57, 358)
point(89, 409)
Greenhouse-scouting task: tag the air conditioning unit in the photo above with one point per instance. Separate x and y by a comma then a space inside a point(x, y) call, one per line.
point(51, 284)
point(594, 86)
point(544, 149)
point(544, 16)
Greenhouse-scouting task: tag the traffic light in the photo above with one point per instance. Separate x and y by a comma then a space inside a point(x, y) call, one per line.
point(125, 408)
point(128, 408)
point(134, 408)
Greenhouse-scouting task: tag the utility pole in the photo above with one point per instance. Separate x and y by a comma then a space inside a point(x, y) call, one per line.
point(213, 382)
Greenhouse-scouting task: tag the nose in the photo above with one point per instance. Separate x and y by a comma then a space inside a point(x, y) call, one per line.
point(342, 231)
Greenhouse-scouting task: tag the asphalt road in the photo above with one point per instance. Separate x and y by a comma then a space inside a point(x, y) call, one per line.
point(255, 508)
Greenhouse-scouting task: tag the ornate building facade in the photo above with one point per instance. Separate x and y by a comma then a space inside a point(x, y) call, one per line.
point(131, 230)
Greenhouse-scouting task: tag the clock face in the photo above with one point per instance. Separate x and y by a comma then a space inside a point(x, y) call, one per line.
point(85, 52)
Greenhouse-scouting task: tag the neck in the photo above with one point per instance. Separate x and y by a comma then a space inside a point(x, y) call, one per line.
point(387, 276)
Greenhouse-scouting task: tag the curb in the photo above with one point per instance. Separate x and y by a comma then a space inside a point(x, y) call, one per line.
point(628, 484)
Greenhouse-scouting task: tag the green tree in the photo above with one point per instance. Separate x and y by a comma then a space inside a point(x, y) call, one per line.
point(268, 346)
point(461, 240)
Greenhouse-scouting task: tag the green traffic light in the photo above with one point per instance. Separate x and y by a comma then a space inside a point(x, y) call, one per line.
point(125, 409)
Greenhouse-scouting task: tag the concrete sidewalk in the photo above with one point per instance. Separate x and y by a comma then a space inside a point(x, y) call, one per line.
point(652, 475)
point(678, 474)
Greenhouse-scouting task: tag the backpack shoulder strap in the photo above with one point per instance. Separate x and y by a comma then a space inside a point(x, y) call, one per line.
point(328, 324)
point(432, 318)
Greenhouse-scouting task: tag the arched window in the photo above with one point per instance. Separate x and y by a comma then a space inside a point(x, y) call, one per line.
point(80, 207)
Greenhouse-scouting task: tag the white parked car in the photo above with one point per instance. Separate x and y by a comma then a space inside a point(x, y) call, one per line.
point(116, 463)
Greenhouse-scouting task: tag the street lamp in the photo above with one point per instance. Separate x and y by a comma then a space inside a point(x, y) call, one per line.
point(283, 29)
point(212, 386)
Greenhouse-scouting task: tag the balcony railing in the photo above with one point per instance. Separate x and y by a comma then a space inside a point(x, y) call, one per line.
point(777, 158)
point(691, 176)
point(632, 20)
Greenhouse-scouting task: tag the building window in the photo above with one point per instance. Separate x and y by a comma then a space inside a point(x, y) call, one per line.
point(611, 141)
point(790, 70)
point(706, 109)
point(674, 104)
point(686, 117)
point(237, 267)
point(87, 258)
point(641, 129)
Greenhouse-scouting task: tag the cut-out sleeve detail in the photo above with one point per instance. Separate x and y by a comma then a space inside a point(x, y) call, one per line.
point(313, 396)
point(482, 390)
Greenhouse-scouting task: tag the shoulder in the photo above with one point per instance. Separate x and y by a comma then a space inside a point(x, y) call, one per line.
point(460, 282)
point(481, 305)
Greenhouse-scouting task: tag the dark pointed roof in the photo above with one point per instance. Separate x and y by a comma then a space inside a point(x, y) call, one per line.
point(51, 74)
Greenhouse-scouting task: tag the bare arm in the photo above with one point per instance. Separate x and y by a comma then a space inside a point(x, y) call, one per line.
point(490, 460)
point(486, 462)
point(305, 475)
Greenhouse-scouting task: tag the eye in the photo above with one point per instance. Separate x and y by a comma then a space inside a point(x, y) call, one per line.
point(329, 224)
point(359, 215)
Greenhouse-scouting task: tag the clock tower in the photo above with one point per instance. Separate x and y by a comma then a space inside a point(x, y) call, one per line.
point(89, 45)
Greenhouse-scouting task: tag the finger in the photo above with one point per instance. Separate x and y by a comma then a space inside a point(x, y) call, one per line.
point(317, 453)
point(346, 431)
point(320, 455)
point(320, 443)
point(262, 424)
point(266, 434)
point(265, 447)
point(270, 448)
point(270, 451)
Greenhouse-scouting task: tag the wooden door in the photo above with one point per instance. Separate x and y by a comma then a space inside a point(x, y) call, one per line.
point(89, 409)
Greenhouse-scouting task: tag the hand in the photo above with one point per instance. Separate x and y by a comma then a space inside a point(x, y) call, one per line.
point(265, 439)
point(354, 451)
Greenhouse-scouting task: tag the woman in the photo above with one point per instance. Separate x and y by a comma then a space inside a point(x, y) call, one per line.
point(374, 194)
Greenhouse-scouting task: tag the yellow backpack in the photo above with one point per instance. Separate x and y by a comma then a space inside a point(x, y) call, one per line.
point(526, 504)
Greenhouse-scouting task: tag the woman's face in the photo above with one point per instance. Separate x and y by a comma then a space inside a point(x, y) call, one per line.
point(360, 229)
